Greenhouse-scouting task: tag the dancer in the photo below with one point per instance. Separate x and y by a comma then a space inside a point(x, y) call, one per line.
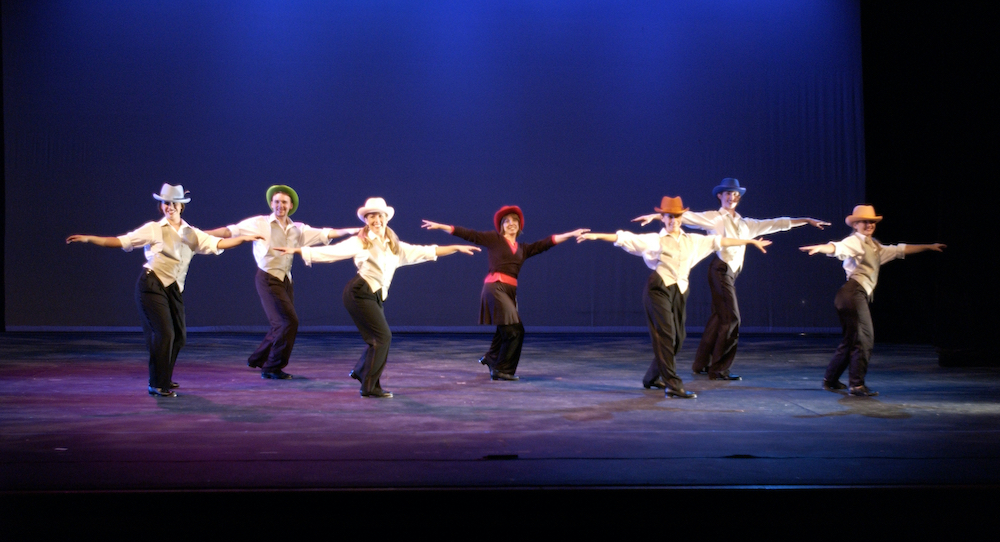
point(498, 301)
point(863, 256)
point(717, 348)
point(377, 252)
point(671, 257)
point(169, 244)
point(274, 274)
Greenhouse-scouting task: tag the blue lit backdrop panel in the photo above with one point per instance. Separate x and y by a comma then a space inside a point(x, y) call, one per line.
point(583, 113)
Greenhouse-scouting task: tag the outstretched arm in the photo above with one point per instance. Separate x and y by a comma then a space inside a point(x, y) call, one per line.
point(796, 222)
point(340, 232)
point(428, 225)
point(451, 249)
point(222, 232)
point(112, 242)
point(235, 241)
point(559, 238)
point(913, 249)
point(610, 237)
point(646, 219)
point(759, 243)
point(828, 248)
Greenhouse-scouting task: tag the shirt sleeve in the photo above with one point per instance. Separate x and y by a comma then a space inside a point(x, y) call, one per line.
point(764, 227)
point(343, 250)
point(705, 245)
point(887, 253)
point(250, 226)
point(207, 244)
point(313, 236)
point(703, 221)
point(850, 247)
point(477, 237)
point(411, 254)
point(638, 244)
point(139, 237)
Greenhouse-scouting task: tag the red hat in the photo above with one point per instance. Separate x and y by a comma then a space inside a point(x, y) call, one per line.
point(508, 210)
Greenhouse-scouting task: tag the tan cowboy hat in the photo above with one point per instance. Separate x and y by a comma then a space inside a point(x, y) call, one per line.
point(862, 212)
point(671, 206)
point(171, 194)
point(376, 205)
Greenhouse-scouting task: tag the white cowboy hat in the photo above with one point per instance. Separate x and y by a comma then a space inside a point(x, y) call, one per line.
point(171, 194)
point(376, 205)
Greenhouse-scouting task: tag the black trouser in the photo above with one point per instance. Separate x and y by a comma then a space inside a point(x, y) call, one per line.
point(665, 315)
point(717, 348)
point(161, 310)
point(505, 350)
point(277, 298)
point(855, 348)
point(365, 308)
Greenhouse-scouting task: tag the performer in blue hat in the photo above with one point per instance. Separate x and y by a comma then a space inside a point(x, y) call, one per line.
point(717, 348)
point(671, 255)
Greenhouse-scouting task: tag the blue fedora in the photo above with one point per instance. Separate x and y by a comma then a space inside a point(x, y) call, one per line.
point(729, 184)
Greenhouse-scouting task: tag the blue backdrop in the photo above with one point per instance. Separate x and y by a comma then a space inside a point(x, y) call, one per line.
point(584, 113)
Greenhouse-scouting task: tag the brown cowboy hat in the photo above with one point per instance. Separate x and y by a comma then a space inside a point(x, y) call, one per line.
point(671, 206)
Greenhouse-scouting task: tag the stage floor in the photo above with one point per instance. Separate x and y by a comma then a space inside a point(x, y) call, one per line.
point(76, 420)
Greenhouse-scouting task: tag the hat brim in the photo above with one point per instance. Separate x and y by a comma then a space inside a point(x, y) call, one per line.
point(165, 200)
point(284, 189)
point(851, 219)
point(720, 188)
point(388, 211)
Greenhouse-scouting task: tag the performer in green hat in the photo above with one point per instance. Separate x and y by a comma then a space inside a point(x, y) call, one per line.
point(274, 273)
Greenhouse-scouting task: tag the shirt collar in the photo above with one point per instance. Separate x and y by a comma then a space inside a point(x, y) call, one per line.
point(736, 215)
point(164, 222)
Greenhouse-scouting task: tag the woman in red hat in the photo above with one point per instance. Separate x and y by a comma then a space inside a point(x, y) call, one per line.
point(671, 257)
point(863, 256)
point(499, 296)
point(169, 245)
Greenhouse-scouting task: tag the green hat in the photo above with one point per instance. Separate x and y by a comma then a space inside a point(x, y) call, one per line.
point(284, 190)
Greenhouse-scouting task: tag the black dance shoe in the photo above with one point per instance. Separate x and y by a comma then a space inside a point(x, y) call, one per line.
point(355, 376)
point(276, 375)
point(833, 386)
point(863, 391)
point(725, 377)
point(680, 394)
point(659, 384)
point(378, 394)
point(497, 375)
point(160, 392)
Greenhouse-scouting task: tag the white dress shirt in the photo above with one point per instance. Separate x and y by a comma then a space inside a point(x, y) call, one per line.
point(168, 252)
point(295, 235)
point(375, 264)
point(734, 227)
point(852, 250)
point(671, 257)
